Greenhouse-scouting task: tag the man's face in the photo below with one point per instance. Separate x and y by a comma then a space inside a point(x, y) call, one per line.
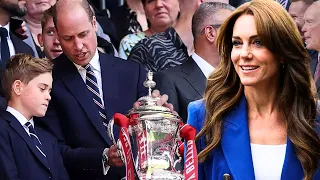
point(77, 35)
point(311, 28)
point(49, 40)
point(13, 7)
point(296, 11)
point(37, 7)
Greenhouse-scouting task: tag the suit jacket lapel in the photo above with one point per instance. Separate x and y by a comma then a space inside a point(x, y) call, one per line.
point(292, 168)
point(74, 82)
point(14, 123)
point(18, 44)
point(47, 146)
point(235, 142)
point(109, 82)
point(194, 76)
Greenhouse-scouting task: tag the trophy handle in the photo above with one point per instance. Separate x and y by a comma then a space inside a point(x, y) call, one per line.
point(110, 131)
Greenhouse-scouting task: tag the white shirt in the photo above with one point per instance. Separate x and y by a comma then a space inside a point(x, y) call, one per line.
point(20, 118)
point(205, 67)
point(10, 43)
point(268, 161)
point(95, 66)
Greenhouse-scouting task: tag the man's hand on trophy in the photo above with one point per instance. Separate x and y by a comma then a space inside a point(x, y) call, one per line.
point(113, 158)
point(163, 101)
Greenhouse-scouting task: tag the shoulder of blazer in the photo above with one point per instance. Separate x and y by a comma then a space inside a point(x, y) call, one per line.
point(111, 60)
point(20, 46)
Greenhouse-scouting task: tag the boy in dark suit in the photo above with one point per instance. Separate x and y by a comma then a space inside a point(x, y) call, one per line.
point(27, 152)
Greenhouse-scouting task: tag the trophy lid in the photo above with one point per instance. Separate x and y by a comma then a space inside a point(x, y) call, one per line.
point(148, 105)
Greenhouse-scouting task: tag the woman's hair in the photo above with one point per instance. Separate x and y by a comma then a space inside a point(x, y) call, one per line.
point(296, 95)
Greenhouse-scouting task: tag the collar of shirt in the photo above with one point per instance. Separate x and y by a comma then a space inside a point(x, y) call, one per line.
point(205, 67)
point(19, 116)
point(7, 26)
point(95, 64)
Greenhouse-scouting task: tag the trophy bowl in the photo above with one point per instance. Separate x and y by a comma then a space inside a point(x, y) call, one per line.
point(149, 140)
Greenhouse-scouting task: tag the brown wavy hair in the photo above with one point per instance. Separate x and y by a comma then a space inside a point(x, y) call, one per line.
point(297, 94)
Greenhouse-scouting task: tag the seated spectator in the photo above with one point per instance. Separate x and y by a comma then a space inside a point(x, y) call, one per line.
point(311, 33)
point(48, 39)
point(160, 15)
point(33, 18)
point(128, 18)
point(297, 9)
point(27, 151)
point(172, 47)
point(187, 82)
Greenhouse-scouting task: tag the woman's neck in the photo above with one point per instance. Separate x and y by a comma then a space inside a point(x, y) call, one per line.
point(35, 29)
point(33, 24)
point(262, 100)
point(151, 31)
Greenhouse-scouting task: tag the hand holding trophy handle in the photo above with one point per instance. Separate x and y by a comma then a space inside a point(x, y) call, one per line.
point(123, 145)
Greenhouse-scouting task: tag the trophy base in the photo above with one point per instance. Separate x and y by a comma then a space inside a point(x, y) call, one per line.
point(160, 175)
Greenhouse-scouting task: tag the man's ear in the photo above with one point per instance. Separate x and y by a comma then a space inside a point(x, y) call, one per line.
point(211, 34)
point(40, 40)
point(17, 87)
point(95, 23)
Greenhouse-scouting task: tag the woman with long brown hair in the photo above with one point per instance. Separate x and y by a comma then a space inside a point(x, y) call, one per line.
point(258, 117)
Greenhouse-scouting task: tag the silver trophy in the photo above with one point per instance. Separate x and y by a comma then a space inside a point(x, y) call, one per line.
point(148, 140)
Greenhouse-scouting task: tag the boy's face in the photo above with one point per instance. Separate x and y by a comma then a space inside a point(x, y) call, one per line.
point(35, 96)
point(49, 40)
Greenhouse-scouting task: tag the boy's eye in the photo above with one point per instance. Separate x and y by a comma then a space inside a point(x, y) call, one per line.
point(49, 32)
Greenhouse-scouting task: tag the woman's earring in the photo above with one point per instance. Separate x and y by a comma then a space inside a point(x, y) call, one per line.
point(282, 65)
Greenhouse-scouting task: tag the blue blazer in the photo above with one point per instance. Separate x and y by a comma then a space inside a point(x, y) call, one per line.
point(19, 157)
point(73, 117)
point(233, 155)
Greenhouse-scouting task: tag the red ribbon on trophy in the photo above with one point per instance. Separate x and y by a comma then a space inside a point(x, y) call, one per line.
point(141, 139)
point(125, 144)
point(191, 160)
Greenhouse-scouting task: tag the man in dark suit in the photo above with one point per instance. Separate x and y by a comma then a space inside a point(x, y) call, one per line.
point(88, 88)
point(27, 151)
point(311, 32)
point(10, 44)
point(187, 82)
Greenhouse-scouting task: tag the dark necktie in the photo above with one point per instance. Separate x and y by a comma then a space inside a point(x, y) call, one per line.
point(5, 53)
point(92, 85)
point(283, 3)
point(35, 138)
